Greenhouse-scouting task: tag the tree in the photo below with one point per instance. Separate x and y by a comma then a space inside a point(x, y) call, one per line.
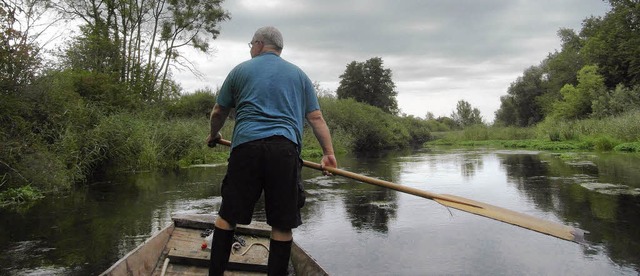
point(577, 101)
point(139, 41)
point(465, 115)
point(525, 92)
point(451, 124)
point(19, 54)
point(613, 43)
point(370, 83)
point(560, 68)
point(506, 114)
point(429, 116)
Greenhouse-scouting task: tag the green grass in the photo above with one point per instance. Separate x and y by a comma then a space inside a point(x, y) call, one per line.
point(24, 194)
point(621, 134)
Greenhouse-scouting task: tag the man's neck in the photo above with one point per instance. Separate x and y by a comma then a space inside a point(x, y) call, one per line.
point(271, 51)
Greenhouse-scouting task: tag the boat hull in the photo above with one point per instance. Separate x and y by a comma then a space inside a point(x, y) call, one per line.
point(176, 250)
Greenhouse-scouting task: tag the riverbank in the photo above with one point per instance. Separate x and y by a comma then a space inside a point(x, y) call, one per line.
point(619, 134)
point(594, 145)
point(91, 141)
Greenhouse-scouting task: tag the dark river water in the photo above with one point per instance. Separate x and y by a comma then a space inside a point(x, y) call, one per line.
point(353, 228)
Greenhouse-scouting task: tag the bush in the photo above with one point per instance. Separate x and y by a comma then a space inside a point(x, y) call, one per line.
point(628, 147)
point(419, 130)
point(20, 195)
point(44, 134)
point(603, 143)
point(370, 127)
point(103, 90)
point(476, 133)
point(623, 128)
point(196, 105)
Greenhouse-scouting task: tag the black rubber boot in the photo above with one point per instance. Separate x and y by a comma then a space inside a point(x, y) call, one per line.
point(279, 252)
point(220, 251)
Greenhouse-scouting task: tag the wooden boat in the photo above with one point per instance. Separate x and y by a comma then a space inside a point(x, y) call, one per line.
point(177, 250)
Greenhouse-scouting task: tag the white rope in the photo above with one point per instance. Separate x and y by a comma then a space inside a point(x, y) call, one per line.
point(237, 246)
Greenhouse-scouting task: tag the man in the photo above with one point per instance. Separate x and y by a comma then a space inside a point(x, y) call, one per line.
point(272, 98)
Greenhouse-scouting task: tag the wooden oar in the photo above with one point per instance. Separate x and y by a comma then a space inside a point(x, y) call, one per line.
point(467, 205)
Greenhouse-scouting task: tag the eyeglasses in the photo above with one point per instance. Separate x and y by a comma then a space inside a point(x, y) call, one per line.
point(251, 43)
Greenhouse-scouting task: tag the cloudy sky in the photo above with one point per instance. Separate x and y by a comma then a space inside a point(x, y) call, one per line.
point(439, 51)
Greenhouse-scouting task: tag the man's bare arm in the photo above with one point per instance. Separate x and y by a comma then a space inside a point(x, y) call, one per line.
point(218, 116)
point(321, 131)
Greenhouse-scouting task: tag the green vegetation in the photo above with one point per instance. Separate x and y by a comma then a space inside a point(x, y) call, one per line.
point(368, 82)
point(20, 195)
point(621, 133)
point(594, 75)
point(58, 139)
point(106, 105)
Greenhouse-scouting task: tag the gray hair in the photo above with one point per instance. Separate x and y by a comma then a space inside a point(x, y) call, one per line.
point(269, 36)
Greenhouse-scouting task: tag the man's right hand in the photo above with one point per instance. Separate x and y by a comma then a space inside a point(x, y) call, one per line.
point(328, 161)
point(212, 140)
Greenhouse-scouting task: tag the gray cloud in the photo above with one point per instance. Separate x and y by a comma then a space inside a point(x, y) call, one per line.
point(451, 50)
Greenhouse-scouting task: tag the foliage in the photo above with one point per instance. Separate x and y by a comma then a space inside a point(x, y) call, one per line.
point(559, 69)
point(139, 41)
point(506, 114)
point(586, 78)
point(618, 133)
point(613, 42)
point(196, 105)
point(19, 59)
point(20, 195)
point(490, 133)
point(370, 127)
point(520, 105)
point(37, 146)
point(465, 115)
point(578, 101)
point(419, 130)
point(603, 143)
point(368, 82)
point(137, 143)
point(623, 128)
point(449, 123)
point(616, 102)
point(342, 141)
point(101, 89)
point(628, 147)
point(94, 51)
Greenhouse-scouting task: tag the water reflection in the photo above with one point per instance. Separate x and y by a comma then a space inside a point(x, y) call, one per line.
point(529, 175)
point(557, 185)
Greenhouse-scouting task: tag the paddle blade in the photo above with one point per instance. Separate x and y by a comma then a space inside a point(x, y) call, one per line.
point(512, 217)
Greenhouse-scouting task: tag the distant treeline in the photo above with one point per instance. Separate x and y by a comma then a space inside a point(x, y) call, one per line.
point(595, 74)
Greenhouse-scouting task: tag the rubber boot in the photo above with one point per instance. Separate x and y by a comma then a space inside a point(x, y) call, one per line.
point(220, 251)
point(279, 252)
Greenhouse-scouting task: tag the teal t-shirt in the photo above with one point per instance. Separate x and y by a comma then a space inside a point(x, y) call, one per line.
point(271, 97)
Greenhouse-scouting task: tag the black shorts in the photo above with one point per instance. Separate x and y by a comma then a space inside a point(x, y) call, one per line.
point(271, 165)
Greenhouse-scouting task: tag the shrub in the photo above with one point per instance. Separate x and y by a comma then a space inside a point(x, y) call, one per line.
point(419, 130)
point(370, 127)
point(196, 105)
point(476, 133)
point(604, 143)
point(628, 147)
point(20, 195)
